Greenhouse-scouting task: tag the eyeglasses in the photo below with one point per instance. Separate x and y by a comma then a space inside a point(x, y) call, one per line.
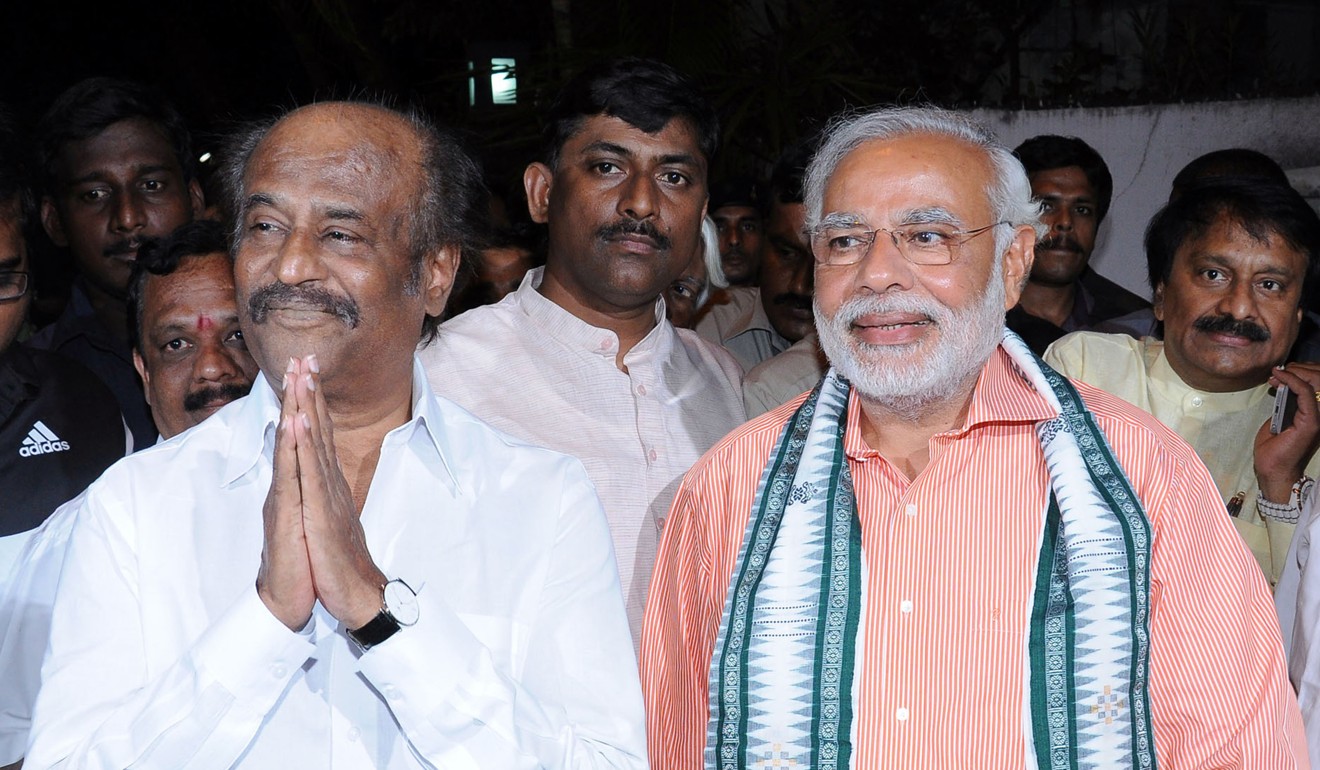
point(13, 284)
point(928, 244)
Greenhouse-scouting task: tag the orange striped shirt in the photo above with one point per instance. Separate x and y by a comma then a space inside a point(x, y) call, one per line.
point(950, 557)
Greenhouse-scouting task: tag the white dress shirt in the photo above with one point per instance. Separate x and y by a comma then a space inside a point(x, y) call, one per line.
point(162, 654)
point(26, 597)
point(536, 371)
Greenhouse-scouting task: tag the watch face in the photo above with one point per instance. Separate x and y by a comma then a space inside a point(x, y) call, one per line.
point(401, 602)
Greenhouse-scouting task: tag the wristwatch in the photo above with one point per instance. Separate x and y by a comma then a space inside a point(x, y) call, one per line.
point(398, 609)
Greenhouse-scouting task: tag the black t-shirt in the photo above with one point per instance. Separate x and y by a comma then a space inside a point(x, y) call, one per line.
point(60, 427)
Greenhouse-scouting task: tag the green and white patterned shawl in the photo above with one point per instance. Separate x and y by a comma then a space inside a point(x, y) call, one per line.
point(781, 678)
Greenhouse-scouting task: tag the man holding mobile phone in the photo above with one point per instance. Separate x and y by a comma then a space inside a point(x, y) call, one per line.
point(1232, 263)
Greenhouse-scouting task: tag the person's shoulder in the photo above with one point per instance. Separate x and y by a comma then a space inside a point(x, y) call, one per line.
point(746, 448)
point(1097, 343)
point(702, 352)
point(477, 447)
point(1130, 428)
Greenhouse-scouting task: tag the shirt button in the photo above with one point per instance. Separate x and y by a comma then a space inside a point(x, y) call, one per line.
point(901, 714)
point(605, 344)
point(1197, 401)
point(278, 670)
point(911, 509)
point(354, 734)
point(905, 606)
point(641, 390)
point(391, 692)
point(652, 455)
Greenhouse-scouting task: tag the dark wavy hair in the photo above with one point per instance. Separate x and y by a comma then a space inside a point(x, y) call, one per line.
point(161, 256)
point(643, 93)
point(1259, 207)
point(1049, 151)
point(93, 105)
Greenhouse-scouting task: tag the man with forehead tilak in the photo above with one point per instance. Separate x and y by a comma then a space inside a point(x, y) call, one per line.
point(332, 583)
point(948, 553)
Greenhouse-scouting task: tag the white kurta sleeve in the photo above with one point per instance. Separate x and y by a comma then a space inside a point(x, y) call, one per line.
point(102, 705)
point(577, 701)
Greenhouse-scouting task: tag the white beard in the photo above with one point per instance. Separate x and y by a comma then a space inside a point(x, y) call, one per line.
point(902, 377)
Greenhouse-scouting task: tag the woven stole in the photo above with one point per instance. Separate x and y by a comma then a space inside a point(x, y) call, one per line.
point(781, 684)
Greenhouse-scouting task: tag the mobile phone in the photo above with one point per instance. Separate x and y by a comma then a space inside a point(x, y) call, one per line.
point(1285, 408)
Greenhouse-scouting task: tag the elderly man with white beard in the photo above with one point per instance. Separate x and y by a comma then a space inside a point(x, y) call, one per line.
point(948, 553)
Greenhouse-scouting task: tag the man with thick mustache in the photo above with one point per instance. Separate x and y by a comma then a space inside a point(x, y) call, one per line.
point(1232, 263)
point(117, 166)
point(1064, 293)
point(581, 358)
point(948, 555)
point(184, 326)
point(341, 569)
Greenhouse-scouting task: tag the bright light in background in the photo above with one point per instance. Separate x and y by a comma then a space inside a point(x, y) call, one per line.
point(205, 157)
point(503, 82)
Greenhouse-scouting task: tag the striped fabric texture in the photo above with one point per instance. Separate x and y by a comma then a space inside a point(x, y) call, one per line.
point(949, 559)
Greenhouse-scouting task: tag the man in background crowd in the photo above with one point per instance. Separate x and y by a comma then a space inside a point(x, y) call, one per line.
point(581, 358)
point(735, 206)
point(1232, 262)
point(117, 168)
point(1064, 293)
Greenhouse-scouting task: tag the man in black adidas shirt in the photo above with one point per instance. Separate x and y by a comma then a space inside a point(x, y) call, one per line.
point(59, 425)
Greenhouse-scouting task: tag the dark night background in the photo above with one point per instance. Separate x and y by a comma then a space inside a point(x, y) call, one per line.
point(776, 69)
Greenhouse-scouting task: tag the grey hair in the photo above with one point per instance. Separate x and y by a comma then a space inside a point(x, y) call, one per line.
point(710, 251)
point(1009, 191)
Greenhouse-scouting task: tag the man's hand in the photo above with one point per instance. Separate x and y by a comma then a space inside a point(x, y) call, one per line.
point(1280, 460)
point(345, 578)
point(284, 581)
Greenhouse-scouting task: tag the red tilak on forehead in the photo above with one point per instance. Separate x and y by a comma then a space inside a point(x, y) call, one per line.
point(204, 323)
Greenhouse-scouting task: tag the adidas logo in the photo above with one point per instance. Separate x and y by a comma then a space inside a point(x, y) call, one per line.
point(41, 440)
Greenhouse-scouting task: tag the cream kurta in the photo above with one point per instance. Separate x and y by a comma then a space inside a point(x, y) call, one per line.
point(1221, 427)
point(536, 371)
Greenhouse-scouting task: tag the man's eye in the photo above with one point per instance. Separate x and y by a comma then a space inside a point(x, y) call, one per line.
point(340, 235)
point(751, 227)
point(1212, 274)
point(237, 338)
point(927, 237)
point(674, 178)
point(153, 185)
point(1084, 211)
point(175, 345)
point(95, 195)
point(1269, 284)
point(605, 167)
point(682, 290)
point(262, 227)
point(1046, 206)
point(846, 241)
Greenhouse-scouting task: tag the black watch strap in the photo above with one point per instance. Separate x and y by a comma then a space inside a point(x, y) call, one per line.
point(377, 630)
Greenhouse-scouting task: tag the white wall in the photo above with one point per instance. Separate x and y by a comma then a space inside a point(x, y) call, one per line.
point(1146, 146)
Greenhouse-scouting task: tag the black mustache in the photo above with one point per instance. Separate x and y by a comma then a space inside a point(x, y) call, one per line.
point(792, 300)
point(311, 298)
point(122, 247)
point(634, 227)
point(1066, 242)
point(199, 399)
point(1227, 324)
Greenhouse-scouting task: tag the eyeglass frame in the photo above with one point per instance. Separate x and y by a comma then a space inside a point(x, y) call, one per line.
point(961, 236)
point(26, 275)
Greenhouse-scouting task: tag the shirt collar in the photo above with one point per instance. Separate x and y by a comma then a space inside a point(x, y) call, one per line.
point(562, 325)
point(1166, 380)
point(253, 434)
point(1001, 395)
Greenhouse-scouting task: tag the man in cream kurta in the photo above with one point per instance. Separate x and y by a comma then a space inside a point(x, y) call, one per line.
point(1219, 426)
point(581, 358)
